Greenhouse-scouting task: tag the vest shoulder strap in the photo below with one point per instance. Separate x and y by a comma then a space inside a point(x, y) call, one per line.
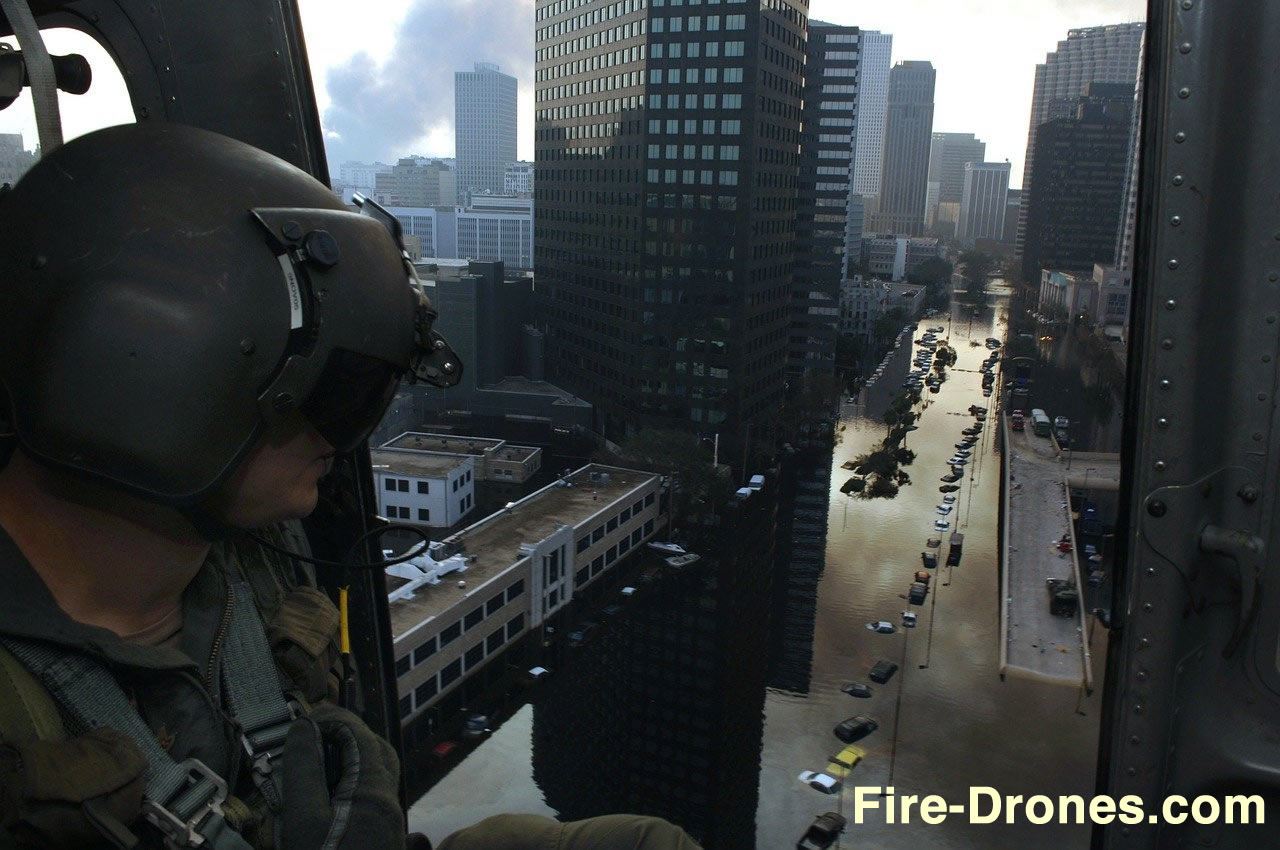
point(27, 711)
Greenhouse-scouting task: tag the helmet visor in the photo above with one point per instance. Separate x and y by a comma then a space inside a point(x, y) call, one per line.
point(350, 398)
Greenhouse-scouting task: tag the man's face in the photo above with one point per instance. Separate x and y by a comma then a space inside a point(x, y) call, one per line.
point(277, 480)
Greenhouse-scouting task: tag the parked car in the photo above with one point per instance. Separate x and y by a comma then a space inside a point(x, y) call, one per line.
point(823, 832)
point(951, 477)
point(943, 510)
point(908, 619)
point(917, 593)
point(582, 633)
point(949, 499)
point(857, 689)
point(941, 524)
point(884, 627)
point(840, 764)
point(855, 728)
point(476, 726)
point(882, 671)
point(820, 781)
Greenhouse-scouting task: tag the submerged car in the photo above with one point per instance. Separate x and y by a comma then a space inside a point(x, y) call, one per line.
point(820, 781)
point(884, 627)
point(908, 619)
point(951, 477)
point(941, 524)
point(882, 671)
point(855, 728)
point(943, 509)
point(857, 689)
point(949, 499)
point(823, 832)
point(841, 763)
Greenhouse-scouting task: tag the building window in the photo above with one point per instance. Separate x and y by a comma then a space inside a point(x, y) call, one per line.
point(455, 485)
point(735, 22)
point(612, 524)
point(474, 655)
point(597, 565)
point(648, 528)
point(425, 691)
point(424, 515)
point(474, 616)
point(406, 706)
point(648, 499)
point(597, 535)
point(733, 48)
point(402, 665)
point(515, 590)
point(390, 484)
point(449, 635)
point(450, 673)
point(514, 625)
point(403, 485)
point(635, 509)
point(425, 650)
point(493, 605)
point(495, 641)
point(611, 555)
point(424, 487)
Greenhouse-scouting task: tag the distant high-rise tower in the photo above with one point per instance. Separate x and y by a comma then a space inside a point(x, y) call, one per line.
point(873, 100)
point(484, 128)
point(1129, 212)
point(1105, 54)
point(829, 122)
point(948, 154)
point(983, 202)
point(1078, 188)
point(908, 132)
point(667, 142)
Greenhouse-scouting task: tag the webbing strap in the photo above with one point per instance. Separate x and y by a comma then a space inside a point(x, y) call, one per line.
point(184, 800)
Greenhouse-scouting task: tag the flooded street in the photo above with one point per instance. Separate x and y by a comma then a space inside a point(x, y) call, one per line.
point(669, 712)
point(957, 724)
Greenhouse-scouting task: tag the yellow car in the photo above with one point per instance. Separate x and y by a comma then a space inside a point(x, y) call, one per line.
point(842, 763)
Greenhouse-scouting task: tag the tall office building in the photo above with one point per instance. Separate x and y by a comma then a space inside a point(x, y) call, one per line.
point(828, 124)
point(1129, 212)
point(484, 128)
point(948, 155)
point(983, 202)
point(908, 132)
point(1078, 188)
point(415, 183)
point(667, 143)
point(1105, 54)
point(873, 100)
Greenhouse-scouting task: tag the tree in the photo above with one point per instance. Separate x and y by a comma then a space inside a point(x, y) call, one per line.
point(977, 268)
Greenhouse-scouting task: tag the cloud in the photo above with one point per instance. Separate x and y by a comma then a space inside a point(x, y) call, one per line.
point(385, 107)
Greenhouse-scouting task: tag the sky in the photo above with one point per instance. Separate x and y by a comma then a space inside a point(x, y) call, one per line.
point(384, 76)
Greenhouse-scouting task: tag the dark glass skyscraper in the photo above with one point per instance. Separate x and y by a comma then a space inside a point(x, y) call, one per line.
point(829, 125)
point(667, 144)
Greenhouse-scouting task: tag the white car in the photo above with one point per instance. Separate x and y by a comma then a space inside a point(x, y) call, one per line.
point(820, 782)
point(941, 524)
point(884, 627)
point(956, 460)
point(949, 499)
point(944, 509)
point(909, 619)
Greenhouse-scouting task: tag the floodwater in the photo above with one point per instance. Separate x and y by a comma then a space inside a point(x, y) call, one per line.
point(947, 722)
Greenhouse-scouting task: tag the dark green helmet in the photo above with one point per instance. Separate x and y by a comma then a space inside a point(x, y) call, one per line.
point(167, 292)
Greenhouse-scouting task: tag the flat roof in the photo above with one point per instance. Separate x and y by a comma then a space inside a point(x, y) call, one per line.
point(492, 545)
point(423, 441)
point(517, 384)
point(415, 462)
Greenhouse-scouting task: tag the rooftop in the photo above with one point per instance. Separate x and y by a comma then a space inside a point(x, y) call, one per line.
point(415, 462)
point(492, 545)
point(477, 446)
point(516, 384)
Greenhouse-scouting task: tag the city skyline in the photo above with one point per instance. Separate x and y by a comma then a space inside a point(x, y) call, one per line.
point(379, 101)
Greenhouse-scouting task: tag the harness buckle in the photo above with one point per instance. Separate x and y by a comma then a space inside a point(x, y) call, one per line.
point(180, 833)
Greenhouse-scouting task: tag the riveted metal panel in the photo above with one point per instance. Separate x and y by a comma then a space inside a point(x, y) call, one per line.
point(1193, 689)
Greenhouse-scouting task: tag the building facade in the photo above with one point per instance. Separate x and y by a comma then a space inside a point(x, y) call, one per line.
point(14, 158)
point(829, 123)
point(983, 202)
point(1105, 54)
point(518, 180)
point(908, 132)
point(434, 489)
point(494, 228)
point(414, 182)
point(667, 142)
point(1077, 192)
point(948, 155)
point(484, 129)
point(873, 101)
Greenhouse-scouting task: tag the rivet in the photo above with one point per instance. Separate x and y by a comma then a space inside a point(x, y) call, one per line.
point(448, 367)
point(1177, 179)
point(1248, 494)
point(1147, 606)
point(1262, 396)
point(1142, 675)
point(1179, 137)
point(1273, 277)
point(39, 262)
point(439, 344)
point(1167, 344)
point(1137, 709)
point(1159, 466)
point(1175, 220)
point(1186, 5)
point(1266, 358)
point(1185, 47)
point(1173, 264)
point(246, 346)
point(1184, 93)
point(1133, 739)
point(1165, 383)
point(1133, 771)
point(1171, 304)
point(1257, 436)
point(1144, 642)
point(1156, 507)
point(1162, 422)
point(1151, 571)
point(291, 230)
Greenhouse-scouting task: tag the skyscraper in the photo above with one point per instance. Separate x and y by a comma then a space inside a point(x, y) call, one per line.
point(1107, 54)
point(908, 131)
point(873, 100)
point(484, 128)
point(667, 145)
point(948, 154)
point(826, 153)
point(983, 202)
point(1078, 188)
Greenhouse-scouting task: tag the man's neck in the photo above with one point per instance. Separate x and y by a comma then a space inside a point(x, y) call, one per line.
point(109, 558)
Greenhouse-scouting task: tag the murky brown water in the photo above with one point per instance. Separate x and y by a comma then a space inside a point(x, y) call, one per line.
point(957, 724)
